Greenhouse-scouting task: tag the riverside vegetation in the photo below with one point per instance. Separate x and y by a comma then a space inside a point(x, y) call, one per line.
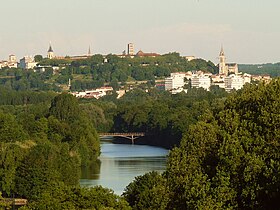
point(225, 148)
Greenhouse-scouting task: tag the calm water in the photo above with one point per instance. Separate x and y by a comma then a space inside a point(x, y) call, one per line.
point(121, 163)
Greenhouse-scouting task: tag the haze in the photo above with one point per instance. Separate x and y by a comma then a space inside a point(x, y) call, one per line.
point(249, 30)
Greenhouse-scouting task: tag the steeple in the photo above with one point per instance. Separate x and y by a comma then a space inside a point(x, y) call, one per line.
point(50, 48)
point(50, 54)
point(222, 51)
point(222, 64)
point(89, 51)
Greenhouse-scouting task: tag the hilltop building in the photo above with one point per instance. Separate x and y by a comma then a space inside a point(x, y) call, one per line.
point(189, 58)
point(175, 82)
point(201, 81)
point(50, 54)
point(27, 62)
point(130, 49)
point(233, 82)
point(226, 68)
point(142, 54)
point(11, 63)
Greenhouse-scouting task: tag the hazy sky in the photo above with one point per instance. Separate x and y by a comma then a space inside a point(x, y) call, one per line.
point(248, 29)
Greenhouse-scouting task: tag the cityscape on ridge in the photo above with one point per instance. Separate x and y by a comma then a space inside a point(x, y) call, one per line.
point(228, 76)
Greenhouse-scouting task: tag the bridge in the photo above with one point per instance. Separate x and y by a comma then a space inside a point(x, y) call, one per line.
point(130, 136)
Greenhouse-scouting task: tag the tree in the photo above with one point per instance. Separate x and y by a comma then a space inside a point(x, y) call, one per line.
point(148, 191)
point(10, 129)
point(70, 198)
point(65, 107)
point(38, 58)
point(45, 166)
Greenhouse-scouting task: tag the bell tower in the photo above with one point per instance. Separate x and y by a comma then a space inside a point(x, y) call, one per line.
point(50, 54)
point(222, 62)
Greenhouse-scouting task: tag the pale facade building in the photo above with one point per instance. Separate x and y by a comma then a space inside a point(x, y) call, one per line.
point(27, 62)
point(234, 82)
point(176, 81)
point(189, 58)
point(247, 78)
point(201, 81)
point(11, 63)
point(130, 49)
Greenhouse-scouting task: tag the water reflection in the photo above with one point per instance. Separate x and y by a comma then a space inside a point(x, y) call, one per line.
point(121, 163)
point(91, 171)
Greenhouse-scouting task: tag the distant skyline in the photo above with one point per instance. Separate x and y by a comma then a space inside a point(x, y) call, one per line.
point(249, 30)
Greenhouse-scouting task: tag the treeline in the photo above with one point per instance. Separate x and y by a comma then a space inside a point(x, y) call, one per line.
point(162, 116)
point(272, 69)
point(227, 160)
point(12, 97)
point(43, 147)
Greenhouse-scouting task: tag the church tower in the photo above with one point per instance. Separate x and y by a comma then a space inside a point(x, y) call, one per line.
point(50, 54)
point(222, 63)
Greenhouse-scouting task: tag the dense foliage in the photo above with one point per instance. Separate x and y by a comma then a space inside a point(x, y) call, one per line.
point(227, 160)
point(43, 145)
point(162, 116)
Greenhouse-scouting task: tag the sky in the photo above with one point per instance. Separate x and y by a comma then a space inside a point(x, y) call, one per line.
point(248, 30)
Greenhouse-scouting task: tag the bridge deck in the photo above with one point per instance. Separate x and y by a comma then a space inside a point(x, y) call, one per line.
point(122, 134)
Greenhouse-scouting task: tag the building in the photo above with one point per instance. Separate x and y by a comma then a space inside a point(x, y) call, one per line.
point(142, 54)
point(226, 68)
point(130, 49)
point(189, 58)
point(201, 81)
point(97, 93)
point(27, 62)
point(175, 82)
point(50, 54)
point(233, 82)
point(11, 63)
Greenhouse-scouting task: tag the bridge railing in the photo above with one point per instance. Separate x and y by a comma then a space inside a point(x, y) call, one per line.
point(122, 134)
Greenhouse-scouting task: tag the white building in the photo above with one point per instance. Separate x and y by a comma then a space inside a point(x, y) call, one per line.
point(11, 63)
point(175, 82)
point(97, 93)
point(247, 78)
point(130, 49)
point(189, 58)
point(233, 82)
point(201, 81)
point(27, 62)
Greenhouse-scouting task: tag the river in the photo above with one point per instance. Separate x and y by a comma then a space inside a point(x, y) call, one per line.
point(121, 163)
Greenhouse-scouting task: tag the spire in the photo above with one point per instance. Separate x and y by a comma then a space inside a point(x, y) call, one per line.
point(222, 53)
point(50, 48)
point(89, 51)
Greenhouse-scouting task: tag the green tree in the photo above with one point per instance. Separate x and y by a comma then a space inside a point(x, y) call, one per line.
point(148, 191)
point(65, 107)
point(38, 58)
